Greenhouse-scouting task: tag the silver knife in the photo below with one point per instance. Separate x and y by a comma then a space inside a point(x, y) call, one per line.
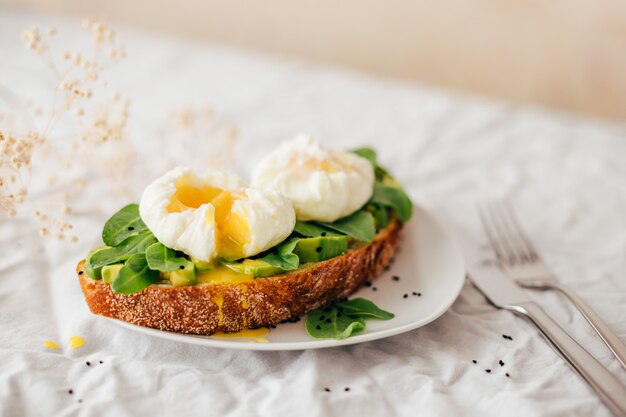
point(501, 291)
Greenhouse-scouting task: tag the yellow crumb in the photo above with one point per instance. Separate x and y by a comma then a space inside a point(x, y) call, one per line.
point(76, 342)
point(50, 344)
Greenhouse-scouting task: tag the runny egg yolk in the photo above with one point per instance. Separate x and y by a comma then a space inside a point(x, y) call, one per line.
point(231, 230)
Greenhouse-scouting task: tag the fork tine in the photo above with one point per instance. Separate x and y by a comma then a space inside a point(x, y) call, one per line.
point(525, 242)
point(509, 233)
point(502, 234)
point(491, 235)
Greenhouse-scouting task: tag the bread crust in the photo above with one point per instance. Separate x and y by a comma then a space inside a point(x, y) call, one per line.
point(231, 307)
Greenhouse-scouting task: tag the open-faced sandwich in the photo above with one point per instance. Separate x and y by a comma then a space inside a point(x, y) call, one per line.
point(206, 253)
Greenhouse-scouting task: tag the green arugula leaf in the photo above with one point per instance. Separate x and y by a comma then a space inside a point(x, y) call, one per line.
point(134, 276)
point(359, 225)
point(122, 224)
point(370, 155)
point(331, 324)
point(130, 246)
point(343, 319)
point(162, 258)
point(380, 213)
point(312, 229)
point(387, 191)
point(394, 198)
point(283, 257)
point(363, 308)
point(367, 153)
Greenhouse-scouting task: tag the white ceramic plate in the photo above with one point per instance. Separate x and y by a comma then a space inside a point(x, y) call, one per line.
point(429, 263)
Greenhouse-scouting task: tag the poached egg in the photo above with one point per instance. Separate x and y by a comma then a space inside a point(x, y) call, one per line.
point(323, 184)
point(213, 215)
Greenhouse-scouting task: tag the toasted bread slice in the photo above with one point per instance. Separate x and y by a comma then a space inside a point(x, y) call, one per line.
point(208, 308)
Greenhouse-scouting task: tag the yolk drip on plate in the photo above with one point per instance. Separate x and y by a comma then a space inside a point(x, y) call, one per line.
point(232, 230)
point(254, 334)
point(76, 342)
point(50, 344)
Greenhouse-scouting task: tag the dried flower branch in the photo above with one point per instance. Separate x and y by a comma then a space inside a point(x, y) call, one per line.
point(92, 145)
point(96, 121)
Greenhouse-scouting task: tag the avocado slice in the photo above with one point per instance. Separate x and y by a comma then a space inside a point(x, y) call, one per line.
point(255, 267)
point(109, 272)
point(97, 272)
point(185, 276)
point(315, 249)
point(202, 266)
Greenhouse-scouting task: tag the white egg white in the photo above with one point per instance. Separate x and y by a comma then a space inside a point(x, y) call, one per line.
point(323, 184)
point(269, 216)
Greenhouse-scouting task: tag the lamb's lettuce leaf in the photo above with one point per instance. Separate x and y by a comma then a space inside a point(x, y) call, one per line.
point(162, 258)
point(135, 275)
point(130, 246)
point(126, 222)
point(343, 318)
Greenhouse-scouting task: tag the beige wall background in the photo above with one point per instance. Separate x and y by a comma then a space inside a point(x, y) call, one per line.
point(569, 54)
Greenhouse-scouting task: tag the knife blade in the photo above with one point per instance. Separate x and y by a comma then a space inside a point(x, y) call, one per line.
point(495, 285)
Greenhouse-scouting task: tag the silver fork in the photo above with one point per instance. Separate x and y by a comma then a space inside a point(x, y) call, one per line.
point(518, 257)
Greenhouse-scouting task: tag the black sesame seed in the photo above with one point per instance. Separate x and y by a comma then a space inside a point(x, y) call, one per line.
point(488, 371)
point(318, 249)
point(346, 389)
point(181, 267)
point(405, 296)
point(507, 375)
point(318, 327)
point(71, 391)
point(414, 293)
point(131, 228)
point(474, 360)
point(395, 278)
point(322, 317)
point(507, 337)
point(323, 234)
point(327, 389)
point(88, 363)
point(368, 283)
point(80, 272)
point(419, 294)
point(374, 289)
point(100, 361)
point(501, 363)
point(328, 320)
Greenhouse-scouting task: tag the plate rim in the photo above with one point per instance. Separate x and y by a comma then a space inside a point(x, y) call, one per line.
point(207, 341)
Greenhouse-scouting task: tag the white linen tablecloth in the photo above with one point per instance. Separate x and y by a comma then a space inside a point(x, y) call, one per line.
point(565, 174)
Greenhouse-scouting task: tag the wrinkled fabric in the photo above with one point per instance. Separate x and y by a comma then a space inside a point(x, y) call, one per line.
point(565, 174)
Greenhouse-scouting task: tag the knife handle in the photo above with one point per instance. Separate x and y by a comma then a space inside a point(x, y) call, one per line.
point(609, 389)
point(604, 331)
